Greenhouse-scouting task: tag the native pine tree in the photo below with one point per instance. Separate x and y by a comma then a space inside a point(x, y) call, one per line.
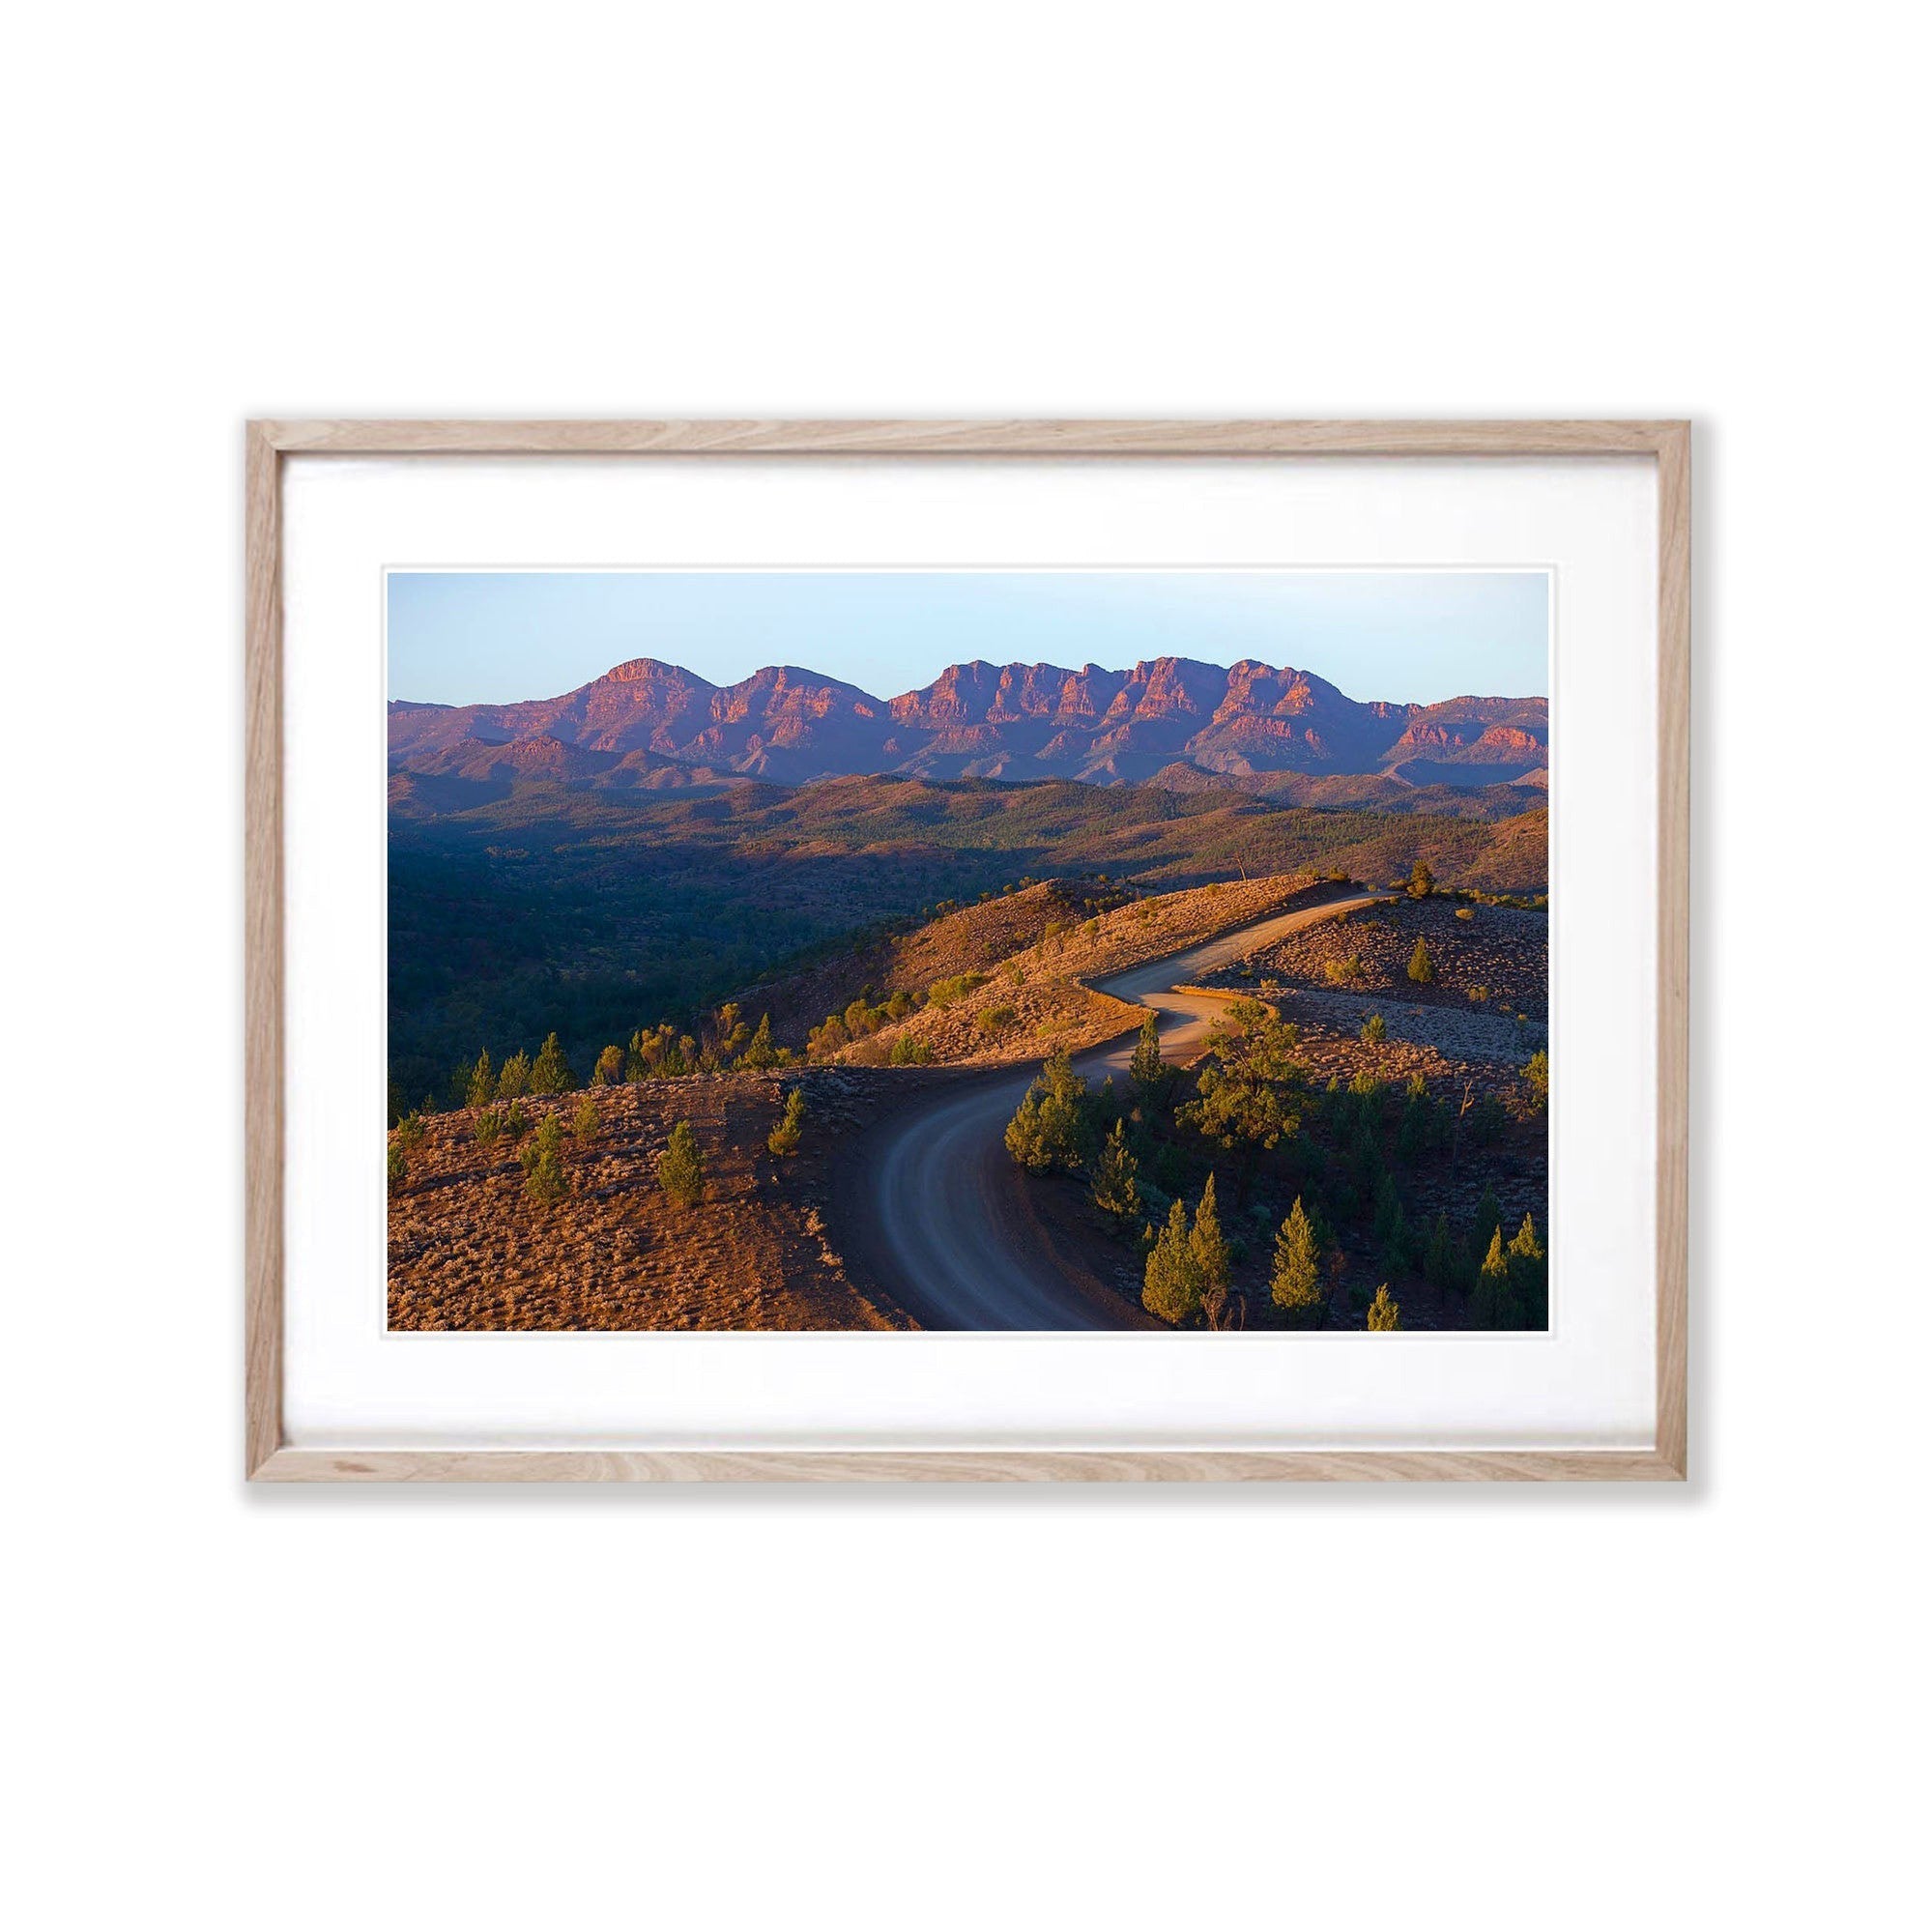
point(515, 1080)
point(483, 1082)
point(610, 1067)
point(1208, 1248)
point(1422, 969)
point(1421, 880)
point(1049, 1128)
point(761, 1052)
point(1149, 1072)
point(1491, 1305)
point(1535, 1077)
point(543, 1175)
point(1489, 1217)
point(585, 1124)
point(1439, 1264)
point(1383, 1313)
point(681, 1168)
point(1296, 1282)
point(1172, 1287)
point(784, 1139)
point(398, 1166)
point(552, 1072)
point(1116, 1187)
point(1528, 1275)
point(1250, 1082)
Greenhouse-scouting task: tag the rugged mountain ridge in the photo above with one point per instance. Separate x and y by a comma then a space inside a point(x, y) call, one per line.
point(654, 723)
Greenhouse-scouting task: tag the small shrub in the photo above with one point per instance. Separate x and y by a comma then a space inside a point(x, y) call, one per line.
point(409, 1132)
point(1346, 973)
point(515, 1080)
point(1383, 1313)
point(1535, 1077)
point(784, 1139)
point(1466, 911)
point(908, 1051)
point(681, 1168)
point(1374, 1030)
point(516, 1122)
point(943, 992)
point(543, 1175)
point(610, 1067)
point(995, 1019)
point(585, 1124)
point(489, 1126)
point(1422, 969)
point(398, 1166)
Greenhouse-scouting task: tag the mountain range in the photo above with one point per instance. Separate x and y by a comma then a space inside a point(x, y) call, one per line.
point(1170, 721)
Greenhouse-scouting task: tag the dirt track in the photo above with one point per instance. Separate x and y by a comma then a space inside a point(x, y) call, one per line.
point(932, 1207)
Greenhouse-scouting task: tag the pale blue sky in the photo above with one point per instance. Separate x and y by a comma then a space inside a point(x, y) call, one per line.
point(1415, 636)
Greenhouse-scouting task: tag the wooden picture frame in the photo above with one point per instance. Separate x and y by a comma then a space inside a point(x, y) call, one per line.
point(269, 1458)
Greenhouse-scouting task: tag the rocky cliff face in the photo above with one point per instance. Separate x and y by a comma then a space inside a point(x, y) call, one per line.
point(1011, 721)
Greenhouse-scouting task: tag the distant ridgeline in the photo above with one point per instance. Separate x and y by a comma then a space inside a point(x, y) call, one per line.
point(1172, 721)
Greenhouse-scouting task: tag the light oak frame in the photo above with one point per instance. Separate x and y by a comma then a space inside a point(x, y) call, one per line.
point(269, 1459)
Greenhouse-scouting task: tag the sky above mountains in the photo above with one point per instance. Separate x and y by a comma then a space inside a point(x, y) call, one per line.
point(1408, 636)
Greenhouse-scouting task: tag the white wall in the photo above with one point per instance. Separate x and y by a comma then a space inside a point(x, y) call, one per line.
point(913, 1709)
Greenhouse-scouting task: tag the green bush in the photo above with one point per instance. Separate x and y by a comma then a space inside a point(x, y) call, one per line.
point(1374, 1030)
point(943, 992)
point(398, 1166)
point(584, 1125)
point(543, 1176)
point(552, 1073)
point(681, 1168)
point(1383, 1313)
point(1422, 969)
point(908, 1051)
point(1296, 1282)
point(784, 1139)
point(995, 1019)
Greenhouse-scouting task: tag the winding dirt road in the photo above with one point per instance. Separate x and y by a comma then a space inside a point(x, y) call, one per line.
point(937, 1211)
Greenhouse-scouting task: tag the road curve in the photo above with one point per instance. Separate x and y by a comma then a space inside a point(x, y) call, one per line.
point(938, 1211)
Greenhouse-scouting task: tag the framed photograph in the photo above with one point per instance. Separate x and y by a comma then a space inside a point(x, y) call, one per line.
point(1014, 951)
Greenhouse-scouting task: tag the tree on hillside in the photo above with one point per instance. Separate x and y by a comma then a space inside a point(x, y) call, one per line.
point(543, 1175)
point(1049, 1129)
point(1172, 1287)
point(1528, 1275)
point(1296, 1282)
point(1439, 1268)
point(482, 1088)
point(1491, 1305)
point(1535, 1077)
point(1383, 1313)
point(1422, 969)
point(1208, 1249)
point(552, 1072)
point(610, 1068)
point(1374, 1030)
point(761, 1052)
point(1488, 1217)
point(1116, 1187)
point(398, 1163)
point(681, 1168)
point(1148, 1071)
point(1248, 1085)
point(515, 1080)
point(784, 1139)
point(586, 1125)
point(1421, 880)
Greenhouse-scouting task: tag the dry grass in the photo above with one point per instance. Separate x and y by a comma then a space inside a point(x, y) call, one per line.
point(469, 1250)
point(1042, 982)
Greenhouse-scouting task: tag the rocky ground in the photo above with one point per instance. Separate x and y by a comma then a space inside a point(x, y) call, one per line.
point(467, 1248)
point(1493, 964)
